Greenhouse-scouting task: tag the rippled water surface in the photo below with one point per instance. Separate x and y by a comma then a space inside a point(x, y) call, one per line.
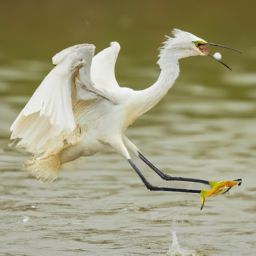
point(204, 128)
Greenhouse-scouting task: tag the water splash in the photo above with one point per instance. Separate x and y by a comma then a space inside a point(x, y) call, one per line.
point(176, 250)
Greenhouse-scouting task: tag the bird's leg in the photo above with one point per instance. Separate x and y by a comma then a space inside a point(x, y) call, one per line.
point(164, 176)
point(155, 188)
point(216, 188)
point(120, 146)
point(168, 177)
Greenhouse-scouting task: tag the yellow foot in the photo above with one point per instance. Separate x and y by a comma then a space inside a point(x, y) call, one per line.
point(218, 188)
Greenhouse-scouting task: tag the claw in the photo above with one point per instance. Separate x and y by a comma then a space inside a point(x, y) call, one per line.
point(218, 188)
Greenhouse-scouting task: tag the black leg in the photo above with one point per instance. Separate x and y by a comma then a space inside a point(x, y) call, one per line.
point(167, 177)
point(154, 188)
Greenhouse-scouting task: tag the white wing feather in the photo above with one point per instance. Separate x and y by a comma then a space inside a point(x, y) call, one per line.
point(49, 112)
point(60, 56)
point(103, 67)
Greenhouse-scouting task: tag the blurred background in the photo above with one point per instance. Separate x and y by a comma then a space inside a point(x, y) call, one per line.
point(205, 127)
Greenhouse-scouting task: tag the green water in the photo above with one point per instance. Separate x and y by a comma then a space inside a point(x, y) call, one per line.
point(205, 128)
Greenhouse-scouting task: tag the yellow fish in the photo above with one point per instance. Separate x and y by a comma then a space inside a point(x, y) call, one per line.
point(218, 188)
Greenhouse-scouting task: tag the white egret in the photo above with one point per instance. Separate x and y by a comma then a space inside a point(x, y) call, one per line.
point(79, 109)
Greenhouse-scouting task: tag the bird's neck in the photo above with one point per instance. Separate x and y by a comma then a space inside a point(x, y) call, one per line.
point(149, 97)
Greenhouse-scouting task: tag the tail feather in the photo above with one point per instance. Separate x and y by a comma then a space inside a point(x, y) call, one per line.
point(44, 168)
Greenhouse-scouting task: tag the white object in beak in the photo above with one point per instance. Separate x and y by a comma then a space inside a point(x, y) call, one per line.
point(217, 56)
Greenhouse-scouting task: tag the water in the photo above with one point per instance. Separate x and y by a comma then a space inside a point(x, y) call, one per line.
point(204, 128)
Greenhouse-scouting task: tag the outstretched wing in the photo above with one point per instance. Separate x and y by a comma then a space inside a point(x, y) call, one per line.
point(103, 67)
point(101, 73)
point(49, 112)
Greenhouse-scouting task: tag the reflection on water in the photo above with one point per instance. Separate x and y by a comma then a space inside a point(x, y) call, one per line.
point(205, 128)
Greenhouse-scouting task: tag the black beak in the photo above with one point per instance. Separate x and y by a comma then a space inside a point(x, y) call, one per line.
point(221, 62)
point(225, 47)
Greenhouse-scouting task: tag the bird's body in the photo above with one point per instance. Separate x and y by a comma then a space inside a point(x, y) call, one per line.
point(100, 124)
point(100, 119)
point(79, 109)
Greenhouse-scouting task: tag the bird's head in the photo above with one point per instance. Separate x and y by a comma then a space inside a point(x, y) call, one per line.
point(183, 44)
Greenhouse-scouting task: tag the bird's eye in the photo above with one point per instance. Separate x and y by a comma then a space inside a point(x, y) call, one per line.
point(195, 43)
point(199, 43)
point(81, 60)
point(202, 47)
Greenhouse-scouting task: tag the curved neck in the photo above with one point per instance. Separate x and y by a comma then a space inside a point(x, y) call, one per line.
point(149, 97)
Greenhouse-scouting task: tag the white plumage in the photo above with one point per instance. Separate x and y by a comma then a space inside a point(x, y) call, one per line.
point(79, 108)
point(49, 112)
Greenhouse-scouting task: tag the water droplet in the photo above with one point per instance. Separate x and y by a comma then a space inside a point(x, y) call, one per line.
point(25, 219)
